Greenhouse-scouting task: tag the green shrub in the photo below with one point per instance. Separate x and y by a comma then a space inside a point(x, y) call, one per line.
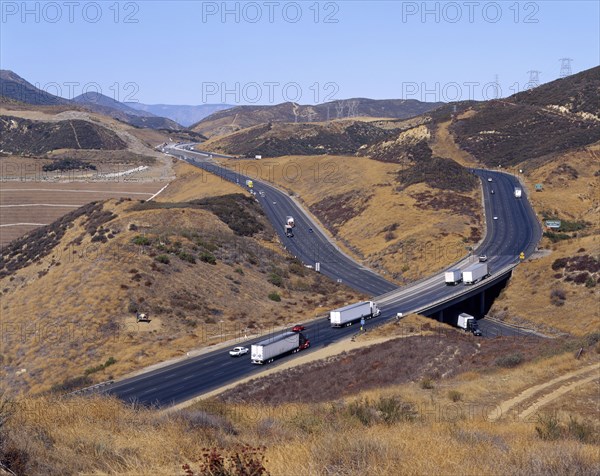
point(388, 410)
point(275, 297)
point(110, 361)
point(509, 361)
point(455, 395)
point(164, 259)
point(187, 257)
point(141, 240)
point(555, 237)
point(207, 257)
point(275, 279)
point(548, 428)
point(427, 383)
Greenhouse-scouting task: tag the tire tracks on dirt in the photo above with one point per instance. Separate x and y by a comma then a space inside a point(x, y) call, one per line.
point(582, 376)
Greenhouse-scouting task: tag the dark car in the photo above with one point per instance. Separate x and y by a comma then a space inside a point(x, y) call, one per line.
point(298, 328)
point(310, 230)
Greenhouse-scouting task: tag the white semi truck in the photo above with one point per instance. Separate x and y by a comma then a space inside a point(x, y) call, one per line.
point(290, 221)
point(518, 192)
point(288, 231)
point(453, 276)
point(468, 323)
point(347, 315)
point(475, 273)
point(277, 346)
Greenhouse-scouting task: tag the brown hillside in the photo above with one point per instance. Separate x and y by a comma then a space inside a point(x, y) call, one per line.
point(241, 117)
point(69, 301)
point(408, 233)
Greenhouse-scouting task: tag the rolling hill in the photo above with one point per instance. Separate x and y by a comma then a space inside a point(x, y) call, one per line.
point(109, 107)
point(241, 117)
point(275, 139)
point(25, 137)
point(541, 123)
point(15, 88)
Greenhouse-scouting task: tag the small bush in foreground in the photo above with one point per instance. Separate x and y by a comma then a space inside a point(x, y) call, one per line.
point(275, 297)
point(549, 428)
point(509, 361)
point(242, 461)
point(206, 257)
point(164, 259)
point(141, 240)
point(455, 395)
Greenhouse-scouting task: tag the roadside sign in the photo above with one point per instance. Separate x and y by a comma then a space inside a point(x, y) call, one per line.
point(362, 322)
point(318, 267)
point(538, 187)
point(522, 255)
point(553, 224)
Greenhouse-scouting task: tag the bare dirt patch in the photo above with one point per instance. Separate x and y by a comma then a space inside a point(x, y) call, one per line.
point(34, 202)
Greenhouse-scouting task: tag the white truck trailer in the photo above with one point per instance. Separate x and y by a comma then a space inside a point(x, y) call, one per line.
point(475, 273)
point(277, 346)
point(468, 323)
point(453, 276)
point(518, 192)
point(347, 315)
point(290, 221)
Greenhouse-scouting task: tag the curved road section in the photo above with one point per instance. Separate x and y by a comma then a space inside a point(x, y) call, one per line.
point(512, 228)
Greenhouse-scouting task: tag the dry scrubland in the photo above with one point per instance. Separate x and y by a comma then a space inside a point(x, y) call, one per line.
point(440, 426)
point(560, 292)
point(407, 234)
point(193, 183)
point(68, 314)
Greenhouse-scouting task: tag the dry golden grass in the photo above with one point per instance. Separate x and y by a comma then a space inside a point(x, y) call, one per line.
point(568, 198)
point(411, 324)
point(193, 183)
point(70, 311)
point(526, 300)
point(443, 145)
point(424, 241)
point(400, 430)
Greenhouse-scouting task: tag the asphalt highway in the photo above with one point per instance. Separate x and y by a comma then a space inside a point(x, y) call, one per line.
point(514, 230)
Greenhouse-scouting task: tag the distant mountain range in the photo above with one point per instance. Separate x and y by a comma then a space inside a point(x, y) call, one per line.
point(184, 115)
point(15, 88)
point(241, 117)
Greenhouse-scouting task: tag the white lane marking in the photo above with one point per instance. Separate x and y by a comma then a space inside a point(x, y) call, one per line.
point(70, 191)
point(24, 224)
point(39, 205)
point(157, 193)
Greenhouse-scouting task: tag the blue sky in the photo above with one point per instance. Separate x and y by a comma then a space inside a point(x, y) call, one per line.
point(194, 52)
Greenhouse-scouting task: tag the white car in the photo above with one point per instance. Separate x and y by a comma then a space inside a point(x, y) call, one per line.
point(238, 351)
point(489, 179)
point(495, 218)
